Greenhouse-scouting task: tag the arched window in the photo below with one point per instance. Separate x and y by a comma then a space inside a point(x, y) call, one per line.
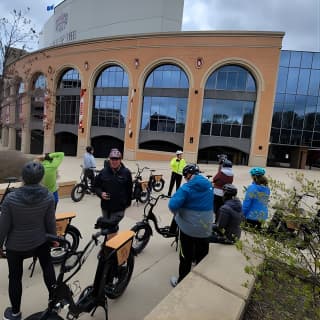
point(110, 98)
point(68, 97)
point(165, 100)
point(37, 99)
point(229, 101)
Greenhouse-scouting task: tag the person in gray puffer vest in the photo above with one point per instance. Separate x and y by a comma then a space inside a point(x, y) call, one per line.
point(28, 214)
point(227, 229)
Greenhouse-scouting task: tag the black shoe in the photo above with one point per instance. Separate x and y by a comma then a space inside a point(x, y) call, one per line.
point(9, 315)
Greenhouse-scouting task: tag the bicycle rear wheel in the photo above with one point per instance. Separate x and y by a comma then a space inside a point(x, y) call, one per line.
point(119, 277)
point(78, 192)
point(58, 253)
point(157, 186)
point(142, 236)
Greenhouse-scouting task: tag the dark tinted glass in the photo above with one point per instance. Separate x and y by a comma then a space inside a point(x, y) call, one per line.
point(306, 61)
point(70, 79)
point(282, 79)
point(303, 82)
point(292, 82)
point(284, 58)
point(316, 60)
point(295, 59)
point(113, 76)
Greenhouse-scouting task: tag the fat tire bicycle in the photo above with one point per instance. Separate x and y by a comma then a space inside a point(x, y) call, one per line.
point(142, 188)
point(83, 187)
point(115, 257)
point(143, 230)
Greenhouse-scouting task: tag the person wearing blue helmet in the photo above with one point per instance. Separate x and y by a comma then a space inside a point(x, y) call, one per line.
point(255, 203)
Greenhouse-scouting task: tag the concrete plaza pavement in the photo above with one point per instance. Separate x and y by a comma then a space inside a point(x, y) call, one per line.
point(153, 267)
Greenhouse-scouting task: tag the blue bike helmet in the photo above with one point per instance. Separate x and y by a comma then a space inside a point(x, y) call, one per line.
point(257, 171)
point(190, 168)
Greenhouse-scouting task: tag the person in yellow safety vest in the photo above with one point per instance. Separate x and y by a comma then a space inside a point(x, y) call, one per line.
point(177, 164)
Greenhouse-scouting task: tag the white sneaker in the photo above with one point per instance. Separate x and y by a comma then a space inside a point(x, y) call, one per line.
point(174, 281)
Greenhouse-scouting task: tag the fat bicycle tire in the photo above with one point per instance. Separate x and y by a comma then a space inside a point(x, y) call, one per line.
point(119, 277)
point(58, 253)
point(142, 236)
point(144, 196)
point(78, 192)
point(157, 186)
point(44, 315)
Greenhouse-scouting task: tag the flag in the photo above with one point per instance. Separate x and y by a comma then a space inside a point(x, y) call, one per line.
point(50, 7)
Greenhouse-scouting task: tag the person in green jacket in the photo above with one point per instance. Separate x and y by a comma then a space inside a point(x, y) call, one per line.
point(177, 164)
point(51, 162)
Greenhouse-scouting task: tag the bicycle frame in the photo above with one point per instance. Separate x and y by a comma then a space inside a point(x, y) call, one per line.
point(148, 214)
point(10, 180)
point(115, 250)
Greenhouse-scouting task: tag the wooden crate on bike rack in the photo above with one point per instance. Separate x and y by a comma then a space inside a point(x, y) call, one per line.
point(144, 185)
point(62, 221)
point(158, 177)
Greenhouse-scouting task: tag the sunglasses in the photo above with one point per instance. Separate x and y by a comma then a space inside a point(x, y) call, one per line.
point(114, 159)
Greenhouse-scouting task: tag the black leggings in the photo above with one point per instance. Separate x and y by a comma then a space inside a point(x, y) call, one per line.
point(15, 264)
point(174, 180)
point(192, 249)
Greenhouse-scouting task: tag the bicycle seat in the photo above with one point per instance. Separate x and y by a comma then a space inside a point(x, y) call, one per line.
point(152, 170)
point(104, 223)
point(11, 179)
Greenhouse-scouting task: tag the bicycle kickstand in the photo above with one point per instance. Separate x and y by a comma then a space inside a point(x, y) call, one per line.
point(32, 266)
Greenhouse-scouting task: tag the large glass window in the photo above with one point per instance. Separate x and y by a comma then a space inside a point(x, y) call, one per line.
point(231, 117)
point(295, 115)
point(165, 100)
point(68, 97)
point(110, 100)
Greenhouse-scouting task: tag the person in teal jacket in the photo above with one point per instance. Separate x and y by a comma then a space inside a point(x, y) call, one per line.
point(192, 206)
point(255, 203)
point(51, 162)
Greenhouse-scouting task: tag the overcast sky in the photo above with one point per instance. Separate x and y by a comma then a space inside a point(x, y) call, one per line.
point(299, 19)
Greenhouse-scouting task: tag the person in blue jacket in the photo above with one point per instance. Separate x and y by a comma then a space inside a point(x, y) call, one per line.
point(255, 203)
point(192, 206)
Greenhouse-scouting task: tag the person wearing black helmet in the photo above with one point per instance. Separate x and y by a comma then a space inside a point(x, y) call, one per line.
point(192, 206)
point(223, 176)
point(227, 229)
point(28, 214)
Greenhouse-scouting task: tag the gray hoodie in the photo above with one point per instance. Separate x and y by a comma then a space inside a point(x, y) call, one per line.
point(28, 213)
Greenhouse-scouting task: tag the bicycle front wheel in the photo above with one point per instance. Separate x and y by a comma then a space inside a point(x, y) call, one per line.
point(119, 277)
point(78, 192)
point(58, 253)
point(142, 236)
point(144, 196)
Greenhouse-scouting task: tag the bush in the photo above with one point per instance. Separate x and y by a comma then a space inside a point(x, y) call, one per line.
point(288, 282)
point(11, 164)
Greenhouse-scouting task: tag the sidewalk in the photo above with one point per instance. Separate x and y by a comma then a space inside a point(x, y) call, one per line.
point(153, 267)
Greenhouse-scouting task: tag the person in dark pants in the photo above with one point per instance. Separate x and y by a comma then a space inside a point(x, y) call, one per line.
point(89, 165)
point(192, 206)
point(113, 185)
point(27, 215)
point(227, 229)
point(176, 164)
point(223, 176)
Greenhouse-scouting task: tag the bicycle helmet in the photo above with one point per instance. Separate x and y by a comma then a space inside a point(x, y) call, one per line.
point(230, 189)
point(179, 152)
point(227, 164)
point(190, 168)
point(257, 171)
point(115, 153)
point(32, 172)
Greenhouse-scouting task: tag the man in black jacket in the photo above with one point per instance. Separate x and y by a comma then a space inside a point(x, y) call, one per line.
point(28, 214)
point(114, 187)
